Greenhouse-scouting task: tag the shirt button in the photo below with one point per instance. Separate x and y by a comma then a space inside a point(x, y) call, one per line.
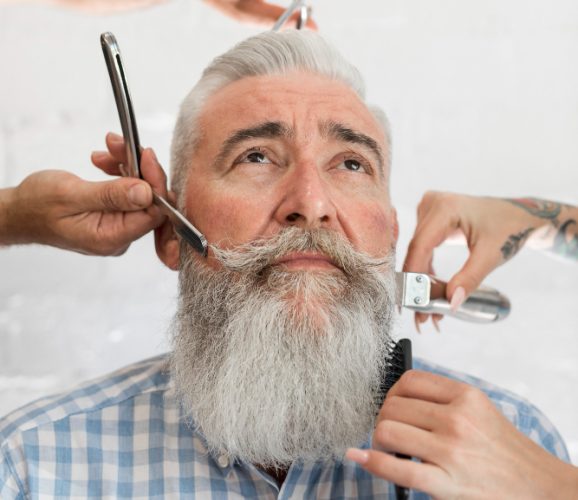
point(223, 460)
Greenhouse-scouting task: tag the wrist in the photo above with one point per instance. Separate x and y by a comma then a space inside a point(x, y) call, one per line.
point(9, 227)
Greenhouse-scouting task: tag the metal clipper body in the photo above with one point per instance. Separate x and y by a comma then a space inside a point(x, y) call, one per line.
point(423, 293)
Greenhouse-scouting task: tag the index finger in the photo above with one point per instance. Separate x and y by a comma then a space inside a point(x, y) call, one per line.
point(153, 172)
point(431, 232)
point(415, 475)
point(110, 161)
point(115, 145)
point(427, 386)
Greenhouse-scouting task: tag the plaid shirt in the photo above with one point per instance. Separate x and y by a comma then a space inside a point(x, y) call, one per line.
point(124, 436)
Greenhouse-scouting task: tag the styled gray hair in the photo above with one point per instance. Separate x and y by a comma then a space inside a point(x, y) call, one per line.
point(269, 53)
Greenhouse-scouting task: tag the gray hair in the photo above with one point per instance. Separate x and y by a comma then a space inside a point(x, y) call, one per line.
point(269, 53)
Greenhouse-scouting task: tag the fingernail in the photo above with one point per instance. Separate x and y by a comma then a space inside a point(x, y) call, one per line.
point(356, 455)
point(458, 298)
point(138, 194)
point(436, 325)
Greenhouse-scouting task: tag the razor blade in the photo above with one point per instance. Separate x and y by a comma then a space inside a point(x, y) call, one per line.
point(423, 293)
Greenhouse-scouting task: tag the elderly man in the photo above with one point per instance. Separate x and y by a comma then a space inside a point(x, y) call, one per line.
point(281, 337)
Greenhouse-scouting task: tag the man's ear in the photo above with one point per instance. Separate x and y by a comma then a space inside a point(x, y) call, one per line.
point(167, 245)
point(394, 225)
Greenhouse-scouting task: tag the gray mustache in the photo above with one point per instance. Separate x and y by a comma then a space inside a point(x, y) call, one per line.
point(257, 256)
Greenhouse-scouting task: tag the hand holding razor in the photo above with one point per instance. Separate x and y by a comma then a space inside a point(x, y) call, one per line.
point(117, 75)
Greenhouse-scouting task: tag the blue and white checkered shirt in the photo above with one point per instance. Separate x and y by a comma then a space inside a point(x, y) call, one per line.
point(124, 436)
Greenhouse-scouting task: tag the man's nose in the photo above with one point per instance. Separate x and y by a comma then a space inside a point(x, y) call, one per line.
point(306, 200)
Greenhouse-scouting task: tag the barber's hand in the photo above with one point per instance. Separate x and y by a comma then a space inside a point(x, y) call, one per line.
point(494, 230)
point(467, 447)
point(256, 12)
point(247, 11)
point(104, 6)
point(101, 218)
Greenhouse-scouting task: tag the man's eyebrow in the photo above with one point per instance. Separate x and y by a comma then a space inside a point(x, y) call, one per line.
point(265, 130)
point(344, 133)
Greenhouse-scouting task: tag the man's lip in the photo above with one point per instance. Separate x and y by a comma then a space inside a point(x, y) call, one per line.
point(306, 260)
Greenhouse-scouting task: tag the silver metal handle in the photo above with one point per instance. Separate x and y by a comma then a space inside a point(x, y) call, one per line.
point(182, 226)
point(304, 14)
point(295, 4)
point(423, 293)
point(111, 52)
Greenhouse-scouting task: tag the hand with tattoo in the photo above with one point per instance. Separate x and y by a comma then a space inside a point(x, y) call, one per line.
point(494, 229)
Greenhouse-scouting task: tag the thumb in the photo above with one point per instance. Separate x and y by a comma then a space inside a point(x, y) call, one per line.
point(119, 195)
point(481, 262)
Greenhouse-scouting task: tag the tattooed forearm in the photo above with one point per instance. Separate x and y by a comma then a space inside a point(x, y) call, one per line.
point(566, 240)
point(554, 227)
point(540, 208)
point(514, 243)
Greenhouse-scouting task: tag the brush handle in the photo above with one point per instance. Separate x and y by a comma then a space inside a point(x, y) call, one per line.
point(403, 361)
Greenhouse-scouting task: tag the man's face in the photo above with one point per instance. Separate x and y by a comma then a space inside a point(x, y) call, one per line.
point(287, 150)
point(290, 322)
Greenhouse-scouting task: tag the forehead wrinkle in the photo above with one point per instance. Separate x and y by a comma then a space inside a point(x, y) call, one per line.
point(341, 132)
point(263, 130)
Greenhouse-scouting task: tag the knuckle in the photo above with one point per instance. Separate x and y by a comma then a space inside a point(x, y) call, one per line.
point(475, 402)
point(444, 200)
point(471, 397)
point(390, 405)
point(380, 467)
point(460, 425)
point(428, 197)
point(469, 281)
point(62, 189)
point(423, 242)
point(409, 378)
point(457, 425)
point(383, 433)
point(412, 479)
point(109, 197)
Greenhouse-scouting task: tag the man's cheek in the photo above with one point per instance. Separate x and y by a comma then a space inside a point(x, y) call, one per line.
point(231, 225)
point(381, 231)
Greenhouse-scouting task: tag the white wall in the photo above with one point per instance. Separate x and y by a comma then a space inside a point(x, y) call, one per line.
point(483, 98)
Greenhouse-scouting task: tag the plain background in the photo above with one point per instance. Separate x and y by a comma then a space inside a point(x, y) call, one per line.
point(482, 97)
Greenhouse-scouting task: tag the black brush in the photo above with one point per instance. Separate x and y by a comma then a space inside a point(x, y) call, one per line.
point(398, 363)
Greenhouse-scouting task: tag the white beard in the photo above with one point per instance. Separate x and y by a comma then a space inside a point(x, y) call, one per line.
point(275, 366)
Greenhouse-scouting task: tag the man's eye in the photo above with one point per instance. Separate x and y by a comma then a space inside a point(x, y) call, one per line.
point(255, 157)
point(353, 166)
